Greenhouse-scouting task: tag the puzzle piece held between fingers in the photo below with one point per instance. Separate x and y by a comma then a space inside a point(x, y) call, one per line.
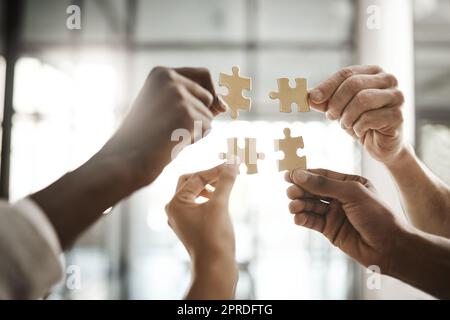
point(288, 95)
point(289, 146)
point(236, 84)
point(247, 155)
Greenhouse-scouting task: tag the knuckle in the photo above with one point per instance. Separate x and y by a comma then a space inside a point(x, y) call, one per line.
point(356, 187)
point(355, 84)
point(390, 79)
point(162, 73)
point(204, 71)
point(346, 72)
point(183, 178)
point(367, 183)
point(363, 98)
point(375, 68)
point(157, 70)
point(177, 91)
point(169, 208)
point(170, 74)
point(398, 94)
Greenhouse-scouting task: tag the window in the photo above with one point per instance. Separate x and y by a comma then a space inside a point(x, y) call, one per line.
point(432, 49)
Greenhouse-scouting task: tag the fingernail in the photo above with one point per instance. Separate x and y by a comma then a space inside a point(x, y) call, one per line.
point(316, 96)
point(330, 115)
point(301, 176)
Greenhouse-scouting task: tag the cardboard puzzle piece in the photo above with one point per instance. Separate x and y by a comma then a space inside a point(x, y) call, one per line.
point(289, 146)
point(236, 84)
point(288, 95)
point(247, 155)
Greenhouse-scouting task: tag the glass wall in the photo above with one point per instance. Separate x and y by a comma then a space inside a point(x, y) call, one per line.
point(432, 52)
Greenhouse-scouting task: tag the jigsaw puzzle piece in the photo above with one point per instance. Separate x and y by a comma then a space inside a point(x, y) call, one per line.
point(289, 146)
point(247, 155)
point(251, 155)
point(288, 95)
point(236, 85)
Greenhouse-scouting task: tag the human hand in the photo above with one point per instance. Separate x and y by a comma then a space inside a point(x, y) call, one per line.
point(346, 210)
point(367, 103)
point(206, 230)
point(170, 99)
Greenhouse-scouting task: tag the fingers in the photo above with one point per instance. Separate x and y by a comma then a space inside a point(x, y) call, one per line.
point(311, 221)
point(369, 99)
point(295, 192)
point(321, 185)
point(196, 90)
point(341, 176)
point(202, 77)
point(200, 107)
point(386, 120)
point(225, 181)
point(190, 186)
point(308, 205)
point(324, 91)
point(352, 86)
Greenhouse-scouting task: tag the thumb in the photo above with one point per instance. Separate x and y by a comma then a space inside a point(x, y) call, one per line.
point(225, 181)
point(317, 184)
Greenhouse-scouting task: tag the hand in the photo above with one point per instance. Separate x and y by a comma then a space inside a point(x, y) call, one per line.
point(206, 230)
point(367, 103)
point(347, 211)
point(170, 99)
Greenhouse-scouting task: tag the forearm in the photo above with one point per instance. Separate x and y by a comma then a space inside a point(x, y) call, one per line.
point(423, 261)
point(425, 198)
point(78, 199)
point(214, 280)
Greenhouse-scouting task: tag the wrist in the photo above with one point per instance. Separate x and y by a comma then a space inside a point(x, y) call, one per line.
point(401, 252)
point(223, 266)
point(214, 279)
point(422, 260)
point(404, 155)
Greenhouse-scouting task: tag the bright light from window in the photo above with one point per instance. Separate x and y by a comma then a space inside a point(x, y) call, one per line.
point(64, 115)
point(267, 239)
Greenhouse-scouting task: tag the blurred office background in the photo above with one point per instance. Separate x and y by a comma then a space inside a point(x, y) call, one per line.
point(69, 89)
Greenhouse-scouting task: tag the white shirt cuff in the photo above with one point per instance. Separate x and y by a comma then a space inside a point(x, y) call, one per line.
point(31, 211)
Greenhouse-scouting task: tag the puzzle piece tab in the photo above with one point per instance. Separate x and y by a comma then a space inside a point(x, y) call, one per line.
point(288, 95)
point(289, 146)
point(236, 84)
point(248, 155)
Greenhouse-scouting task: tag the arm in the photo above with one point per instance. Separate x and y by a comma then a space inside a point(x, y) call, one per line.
point(423, 261)
point(366, 102)
point(206, 231)
point(425, 197)
point(136, 154)
point(346, 210)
